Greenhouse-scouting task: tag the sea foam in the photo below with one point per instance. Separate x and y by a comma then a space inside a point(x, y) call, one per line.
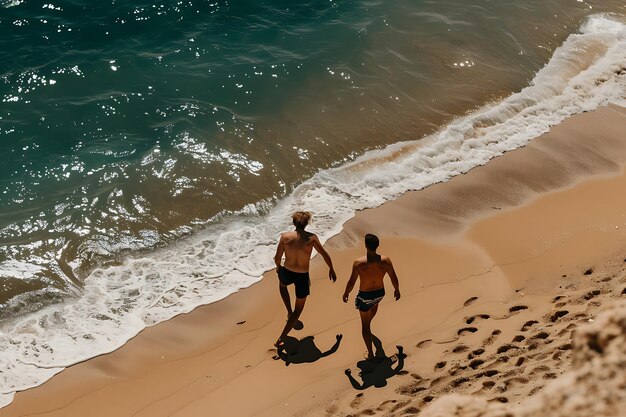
point(587, 71)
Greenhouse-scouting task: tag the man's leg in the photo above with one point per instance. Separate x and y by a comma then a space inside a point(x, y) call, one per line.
point(366, 331)
point(293, 318)
point(284, 294)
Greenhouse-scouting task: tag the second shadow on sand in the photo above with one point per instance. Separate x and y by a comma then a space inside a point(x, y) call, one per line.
point(375, 372)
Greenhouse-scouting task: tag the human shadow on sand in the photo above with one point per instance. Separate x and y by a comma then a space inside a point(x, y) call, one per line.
point(304, 350)
point(375, 372)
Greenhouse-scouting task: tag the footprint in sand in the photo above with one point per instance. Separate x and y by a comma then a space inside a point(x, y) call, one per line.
point(518, 338)
point(399, 406)
point(460, 349)
point(410, 389)
point(471, 319)
point(488, 384)
point(591, 294)
point(472, 355)
point(529, 324)
point(565, 333)
point(515, 309)
point(490, 373)
point(410, 411)
point(357, 401)
point(520, 361)
point(385, 405)
point(540, 335)
point(539, 369)
point(459, 381)
point(467, 330)
point(515, 381)
point(436, 381)
point(440, 365)
point(424, 343)
point(476, 363)
point(470, 301)
point(506, 348)
point(489, 340)
point(558, 314)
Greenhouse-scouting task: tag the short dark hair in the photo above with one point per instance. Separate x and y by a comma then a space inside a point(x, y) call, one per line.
point(301, 219)
point(371, 241)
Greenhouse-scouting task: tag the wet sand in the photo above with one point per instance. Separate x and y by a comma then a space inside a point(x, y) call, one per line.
point(497, 267)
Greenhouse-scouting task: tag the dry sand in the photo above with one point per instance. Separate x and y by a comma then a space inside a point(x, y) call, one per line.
point(497, 268)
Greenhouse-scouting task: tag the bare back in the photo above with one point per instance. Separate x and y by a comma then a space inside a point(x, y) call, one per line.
point(372, 271)
point(298, 246)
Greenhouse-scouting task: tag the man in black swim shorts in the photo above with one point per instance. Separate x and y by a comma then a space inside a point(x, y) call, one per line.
point(301, 281)
point(370, 269)
point(297, 247)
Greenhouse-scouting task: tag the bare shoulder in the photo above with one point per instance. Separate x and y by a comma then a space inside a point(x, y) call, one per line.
point(313, 240)
point(385, 260)
point(287, 236)
point(360, 261)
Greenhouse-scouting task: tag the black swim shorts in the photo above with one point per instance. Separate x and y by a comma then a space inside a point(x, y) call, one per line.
point(365, 300)
point(300, 279)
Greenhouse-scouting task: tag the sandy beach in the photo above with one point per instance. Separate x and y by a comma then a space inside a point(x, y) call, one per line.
point(497, 268)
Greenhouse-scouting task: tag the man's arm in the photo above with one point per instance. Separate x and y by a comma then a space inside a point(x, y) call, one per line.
point(394, 279)
point(351, 281)
point(279, 253)
point(320, 249)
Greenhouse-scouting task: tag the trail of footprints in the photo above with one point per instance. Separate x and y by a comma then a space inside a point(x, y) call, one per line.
point(501, 368)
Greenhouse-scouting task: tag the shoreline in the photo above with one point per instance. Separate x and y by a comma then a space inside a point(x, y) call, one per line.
point(119, 301)
point(205, 359)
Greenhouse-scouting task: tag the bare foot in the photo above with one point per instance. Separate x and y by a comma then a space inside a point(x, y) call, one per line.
point(298, 325)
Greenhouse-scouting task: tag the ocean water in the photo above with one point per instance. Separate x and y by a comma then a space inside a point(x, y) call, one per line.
point(152, 152)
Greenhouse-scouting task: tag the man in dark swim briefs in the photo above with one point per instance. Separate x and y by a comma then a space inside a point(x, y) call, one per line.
point(371, 269)
point(297, 247)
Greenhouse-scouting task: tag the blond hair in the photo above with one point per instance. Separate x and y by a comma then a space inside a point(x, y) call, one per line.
point(301, 219)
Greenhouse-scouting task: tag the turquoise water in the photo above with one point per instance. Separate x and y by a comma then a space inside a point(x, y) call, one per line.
point(134, 133)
